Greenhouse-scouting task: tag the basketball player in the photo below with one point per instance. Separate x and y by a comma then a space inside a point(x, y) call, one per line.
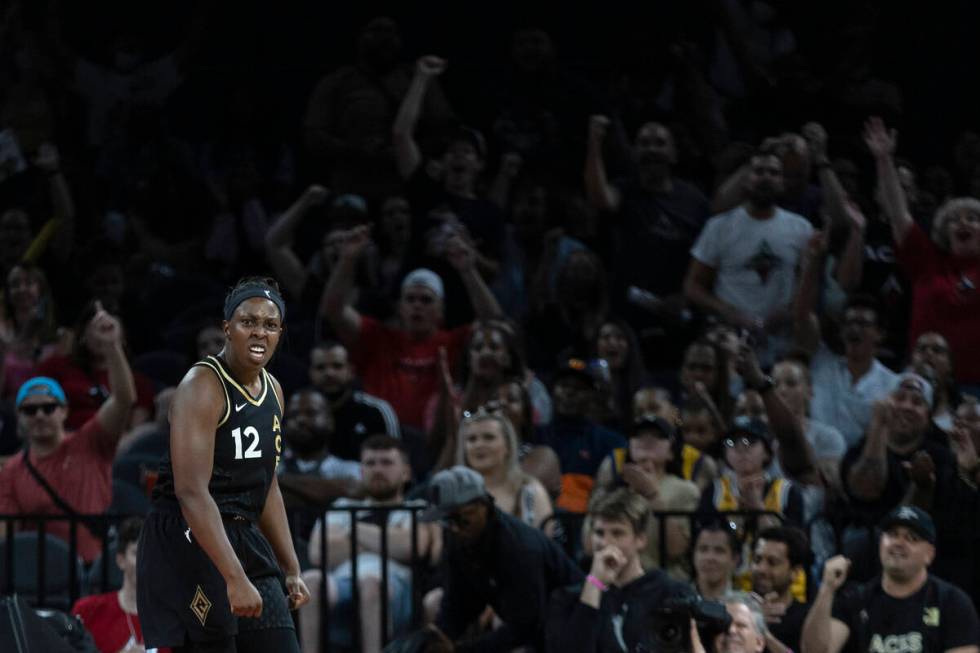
point(216, 560)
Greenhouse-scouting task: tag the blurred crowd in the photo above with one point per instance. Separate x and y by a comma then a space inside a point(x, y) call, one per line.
point(702, 266)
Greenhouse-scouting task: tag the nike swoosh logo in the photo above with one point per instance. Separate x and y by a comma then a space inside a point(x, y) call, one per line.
point(187, 534)
point(238, 408)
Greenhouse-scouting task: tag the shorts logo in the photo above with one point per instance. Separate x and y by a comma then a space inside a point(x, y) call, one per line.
point(200, 605)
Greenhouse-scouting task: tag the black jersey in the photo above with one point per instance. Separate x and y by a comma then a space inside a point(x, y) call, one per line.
point(247, 446)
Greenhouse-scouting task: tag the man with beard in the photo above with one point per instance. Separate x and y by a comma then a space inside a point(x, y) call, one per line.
point(905, 459)
point(743, 265)
point(308, 469)
point(778, 562)
point(658, 216)
point(384, 471)
point(356, 414)
point(904, 610)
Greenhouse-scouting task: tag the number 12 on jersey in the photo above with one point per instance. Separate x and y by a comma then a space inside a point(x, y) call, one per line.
point(252, 435)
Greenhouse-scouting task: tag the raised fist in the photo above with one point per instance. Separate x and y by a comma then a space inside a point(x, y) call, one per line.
point(430, 66)
point(598, 126)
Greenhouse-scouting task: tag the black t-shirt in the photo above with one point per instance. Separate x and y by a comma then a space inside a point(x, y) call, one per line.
point(482, 218)
point(935, 619)
point(882, 277)
point(654, 234)
point(871, 512)
point(356, 419)
point(790, 625)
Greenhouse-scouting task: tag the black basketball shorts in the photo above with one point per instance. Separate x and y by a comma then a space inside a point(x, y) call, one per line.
point(181, 595)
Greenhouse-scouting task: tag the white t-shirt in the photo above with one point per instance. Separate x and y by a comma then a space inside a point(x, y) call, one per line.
point(839, 403)
point(827, 442)
point(755, 260)
point(368, 563)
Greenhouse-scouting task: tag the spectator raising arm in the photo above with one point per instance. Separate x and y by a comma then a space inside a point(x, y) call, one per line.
point(106, 335)
point(795, 453)
point(279, 241)
point(869, 474)
point(336, 305)
point(407, 154)
point(60, 229)
point(821, 632)
point(806, 329)
point(834, 196)
point(602, 195)
point(463, 257)
point(881, 142)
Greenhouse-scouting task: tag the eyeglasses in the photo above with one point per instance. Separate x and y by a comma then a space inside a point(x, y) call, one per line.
point(744, 442)
point(31, 410)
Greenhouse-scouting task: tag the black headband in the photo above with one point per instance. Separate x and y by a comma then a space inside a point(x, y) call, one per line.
point(248, 292)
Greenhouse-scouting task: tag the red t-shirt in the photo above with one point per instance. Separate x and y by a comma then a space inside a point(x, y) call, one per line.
point(80, 471)
point(109, 625)
point(402, 370)
point(86, 392)
point(945, 299)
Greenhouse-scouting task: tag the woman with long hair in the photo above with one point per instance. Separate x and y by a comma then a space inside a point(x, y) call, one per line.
point(486, 442)
point(617, 344)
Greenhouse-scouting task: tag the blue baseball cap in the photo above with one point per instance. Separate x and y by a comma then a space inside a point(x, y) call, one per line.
point(41, 385)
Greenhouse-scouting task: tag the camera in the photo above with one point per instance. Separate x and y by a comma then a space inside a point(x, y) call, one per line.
point(670, 624)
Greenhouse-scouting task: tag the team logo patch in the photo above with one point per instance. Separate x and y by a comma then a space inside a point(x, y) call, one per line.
point(200, 605)
point(930, 616)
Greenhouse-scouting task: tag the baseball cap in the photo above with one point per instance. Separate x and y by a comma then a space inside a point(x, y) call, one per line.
point(592, 371)
point(43, 386)
point(424, 277)
point(915, 518)
point(647, 422)
point(754, 429)
point(450, 489)
point(917, 383)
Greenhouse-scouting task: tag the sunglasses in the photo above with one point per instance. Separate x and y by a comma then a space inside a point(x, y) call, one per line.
point(746, 442)
point(31, 411)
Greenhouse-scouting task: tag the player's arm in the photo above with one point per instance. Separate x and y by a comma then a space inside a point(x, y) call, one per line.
point(198, 406)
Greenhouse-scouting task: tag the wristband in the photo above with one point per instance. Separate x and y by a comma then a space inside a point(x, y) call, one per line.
point(596, 583)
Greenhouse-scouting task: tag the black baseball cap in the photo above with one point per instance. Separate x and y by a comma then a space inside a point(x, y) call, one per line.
point(912, 517)
point(580, 367)
point(648, 422)
point(750, 427)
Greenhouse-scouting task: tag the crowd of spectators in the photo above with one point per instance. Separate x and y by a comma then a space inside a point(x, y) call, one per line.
point(548, 291)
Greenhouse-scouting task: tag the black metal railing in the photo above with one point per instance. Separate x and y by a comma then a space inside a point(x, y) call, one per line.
point(29, 531)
